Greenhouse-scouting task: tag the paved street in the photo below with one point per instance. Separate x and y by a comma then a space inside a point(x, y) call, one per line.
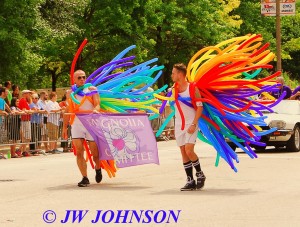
point(264, 192)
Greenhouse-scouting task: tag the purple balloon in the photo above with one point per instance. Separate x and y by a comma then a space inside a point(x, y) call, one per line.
point(296, 90)
point(164, 103)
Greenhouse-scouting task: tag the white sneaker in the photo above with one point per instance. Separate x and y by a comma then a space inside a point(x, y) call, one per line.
point(56, 151)
point(43, 152)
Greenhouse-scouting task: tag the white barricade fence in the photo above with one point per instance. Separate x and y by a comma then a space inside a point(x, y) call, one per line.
point(33, 129)
point(168, 132)
point(36, 129)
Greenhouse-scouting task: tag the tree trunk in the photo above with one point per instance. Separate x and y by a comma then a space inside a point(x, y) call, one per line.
point(168, 73)
point(159, 50)
point(54, 79)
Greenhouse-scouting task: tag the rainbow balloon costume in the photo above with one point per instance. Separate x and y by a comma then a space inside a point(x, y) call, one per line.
point(226, 75)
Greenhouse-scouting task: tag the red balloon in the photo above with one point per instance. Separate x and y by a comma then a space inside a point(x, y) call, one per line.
point(75, 60)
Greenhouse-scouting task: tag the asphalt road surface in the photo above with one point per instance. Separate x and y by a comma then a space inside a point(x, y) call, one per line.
point(264, 192)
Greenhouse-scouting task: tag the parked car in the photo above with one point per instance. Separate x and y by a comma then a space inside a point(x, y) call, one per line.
point(286, 118)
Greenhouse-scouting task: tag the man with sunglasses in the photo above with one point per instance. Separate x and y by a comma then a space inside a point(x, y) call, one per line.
point(79, 132)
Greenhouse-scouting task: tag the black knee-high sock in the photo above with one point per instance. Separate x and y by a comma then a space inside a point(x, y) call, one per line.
point(196, 165)
point(188, 167)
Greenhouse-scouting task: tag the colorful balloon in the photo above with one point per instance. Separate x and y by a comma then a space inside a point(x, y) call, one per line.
point(226, 76)
point(122, 86)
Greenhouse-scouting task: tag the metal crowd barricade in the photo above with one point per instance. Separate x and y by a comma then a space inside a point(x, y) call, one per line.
point(50, 130)
point(168, 132)
point(10, 130)
point(34, 130)
point(37, 130)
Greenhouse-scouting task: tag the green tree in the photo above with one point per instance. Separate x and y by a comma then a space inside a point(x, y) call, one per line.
point(107, 25)
point(180, 28)
point(18, 61)
point(58, 42)
point(110, 27)
point(39, 51)
point(170, 30)
point(249, 12)
point(290, 29)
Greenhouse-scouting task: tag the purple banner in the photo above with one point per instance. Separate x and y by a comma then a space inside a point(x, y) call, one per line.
point(126, 138)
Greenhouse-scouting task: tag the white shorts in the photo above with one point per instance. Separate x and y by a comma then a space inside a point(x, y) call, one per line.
point(78, 131)
point(26, 129)
point(183, 137)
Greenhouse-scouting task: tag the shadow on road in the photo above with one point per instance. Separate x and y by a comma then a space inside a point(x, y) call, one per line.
point(101, 186)
point(208, 191)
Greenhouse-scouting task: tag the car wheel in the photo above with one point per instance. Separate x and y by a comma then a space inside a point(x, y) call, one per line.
point(293, 144)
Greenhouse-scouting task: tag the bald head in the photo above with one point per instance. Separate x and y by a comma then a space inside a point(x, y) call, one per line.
point(79, 72)
point(79, 77)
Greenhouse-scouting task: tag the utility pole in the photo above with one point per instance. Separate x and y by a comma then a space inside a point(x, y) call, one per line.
point(278, 36)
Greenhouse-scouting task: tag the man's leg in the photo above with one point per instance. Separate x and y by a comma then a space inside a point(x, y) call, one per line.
point(189, 149)
point(23, 146)
point(46, 145)
point(78, 144)
point(95, 153)
point(188, 167)
point(44, 136)
point(33, 137)
point(28, 135)
point(56, 128)
point(23, 136)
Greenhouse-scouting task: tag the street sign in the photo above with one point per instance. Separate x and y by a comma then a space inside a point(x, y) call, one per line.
point(287, 7)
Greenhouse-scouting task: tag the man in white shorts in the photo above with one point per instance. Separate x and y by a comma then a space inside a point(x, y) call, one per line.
point(42, 102)
point(187, 137)
point(80, 133)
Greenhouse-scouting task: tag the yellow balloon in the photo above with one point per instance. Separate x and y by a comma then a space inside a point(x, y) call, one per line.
point(164, 97)
point(193, 59)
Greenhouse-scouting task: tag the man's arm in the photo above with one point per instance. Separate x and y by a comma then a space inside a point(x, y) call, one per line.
point(7, 108)
point(295, 96)
point(3, 112)
point(198, 113)
point(199, 106)
point(96, 99)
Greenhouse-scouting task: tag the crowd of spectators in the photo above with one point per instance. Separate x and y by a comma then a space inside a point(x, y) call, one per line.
point(30, 120)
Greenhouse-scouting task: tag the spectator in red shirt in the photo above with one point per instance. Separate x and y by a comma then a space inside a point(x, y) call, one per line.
point(25, 121)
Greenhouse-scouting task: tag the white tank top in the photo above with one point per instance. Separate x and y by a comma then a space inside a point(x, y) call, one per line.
point(188, 112)
point(87, 105)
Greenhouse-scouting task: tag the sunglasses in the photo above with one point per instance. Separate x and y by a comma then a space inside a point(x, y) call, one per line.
point(81, 77)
